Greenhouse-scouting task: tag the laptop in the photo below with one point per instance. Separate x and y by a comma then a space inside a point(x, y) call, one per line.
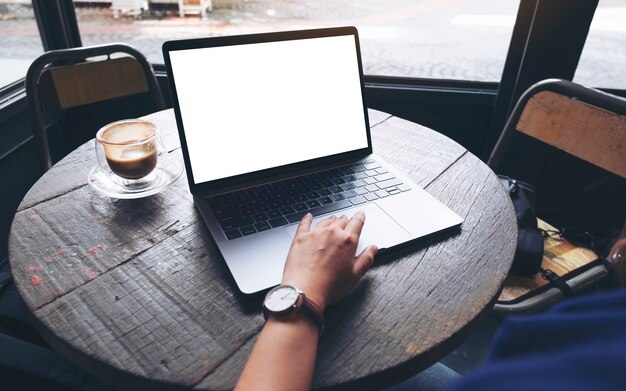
point(275, 125)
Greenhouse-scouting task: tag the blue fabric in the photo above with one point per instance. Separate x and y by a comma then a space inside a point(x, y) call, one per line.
point(435, 378)
point(579, 344)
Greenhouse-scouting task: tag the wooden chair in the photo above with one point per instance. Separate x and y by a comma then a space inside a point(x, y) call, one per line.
point(61, 81)
point(585, 123)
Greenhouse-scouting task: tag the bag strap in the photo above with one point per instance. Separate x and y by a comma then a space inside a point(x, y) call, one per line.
point(580, 238)
point(557, 281)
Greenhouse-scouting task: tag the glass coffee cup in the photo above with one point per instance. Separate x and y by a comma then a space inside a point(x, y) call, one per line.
point(129, 150)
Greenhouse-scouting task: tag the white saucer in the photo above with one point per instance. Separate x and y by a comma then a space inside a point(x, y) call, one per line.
point(168, 169)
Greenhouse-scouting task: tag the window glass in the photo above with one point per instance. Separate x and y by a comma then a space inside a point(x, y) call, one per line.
point(453, 39)
point(603, 61)
point(19, 39)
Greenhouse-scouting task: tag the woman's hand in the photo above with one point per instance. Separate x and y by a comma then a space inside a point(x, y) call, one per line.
point(322, 262)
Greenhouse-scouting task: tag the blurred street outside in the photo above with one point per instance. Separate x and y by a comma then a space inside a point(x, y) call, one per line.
point(446, 39)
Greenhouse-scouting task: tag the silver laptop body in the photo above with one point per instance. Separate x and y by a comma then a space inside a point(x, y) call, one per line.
point(275, 125)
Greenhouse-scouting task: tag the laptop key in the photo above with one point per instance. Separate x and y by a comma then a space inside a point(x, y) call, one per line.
point(260, 217)
point(232, 234)
point(348, 186)
point(324, 192)
point(335, 206)
point(247, 230)
point(278, 222)
point(370, 180)
point(393, 191)
point(349, 194)
point(312, 203)
point(300, 207)
point(389, 183)
point(371, 188)
point(359, 183)
point(336, 189)
point(337, 197)
point(360, 190)
point(274, 213)
point(262, 226)
point(382, 170)
point(247, 211)
point(325, 200)
point(403, 187)
point(313, 195)
point(274, 204)
point(287, 210)
point(381, 193)
point(383, 177)
point(358, 200)
point(236, 223)
point(300, 198)
point(371, 196)
point(360, 175)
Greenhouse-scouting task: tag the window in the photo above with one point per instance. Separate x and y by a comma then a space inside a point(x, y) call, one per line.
point(20, 43)
point(603, 61)
point(456, 39)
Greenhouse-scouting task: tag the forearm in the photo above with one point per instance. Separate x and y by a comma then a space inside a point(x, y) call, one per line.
point(283, 357)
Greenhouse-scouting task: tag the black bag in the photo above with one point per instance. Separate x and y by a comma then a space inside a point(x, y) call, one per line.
point(529, 251)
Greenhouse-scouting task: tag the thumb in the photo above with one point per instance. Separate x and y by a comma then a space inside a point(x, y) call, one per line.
point(365, 260)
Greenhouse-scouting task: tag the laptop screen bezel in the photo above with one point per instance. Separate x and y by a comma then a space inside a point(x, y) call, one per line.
point(255, 176)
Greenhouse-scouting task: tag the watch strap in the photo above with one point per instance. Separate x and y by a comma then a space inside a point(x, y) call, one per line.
point(313, 311)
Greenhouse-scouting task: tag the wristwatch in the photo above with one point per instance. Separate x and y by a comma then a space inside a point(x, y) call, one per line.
point(286, 300)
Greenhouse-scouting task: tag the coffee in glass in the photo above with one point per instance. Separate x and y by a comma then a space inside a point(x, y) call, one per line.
point(130, 149)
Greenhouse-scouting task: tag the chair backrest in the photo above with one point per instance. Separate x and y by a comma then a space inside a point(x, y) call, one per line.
point(583, 122)
point(70, 78)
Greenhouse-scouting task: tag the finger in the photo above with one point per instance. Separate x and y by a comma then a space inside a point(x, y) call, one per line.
point(305, 224)
point(355, 225)
point(326, 222)
point(342, 221)
point(365, 260)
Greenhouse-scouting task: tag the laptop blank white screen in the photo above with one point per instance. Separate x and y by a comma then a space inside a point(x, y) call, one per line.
point(251, 107)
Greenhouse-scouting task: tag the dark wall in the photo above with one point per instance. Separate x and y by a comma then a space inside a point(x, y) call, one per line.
point(461, 115)
point(19, 168)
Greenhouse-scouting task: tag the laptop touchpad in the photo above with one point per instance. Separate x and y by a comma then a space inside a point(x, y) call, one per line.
point(379, 228)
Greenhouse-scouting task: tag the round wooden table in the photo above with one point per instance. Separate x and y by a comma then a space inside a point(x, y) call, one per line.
point(135, 291)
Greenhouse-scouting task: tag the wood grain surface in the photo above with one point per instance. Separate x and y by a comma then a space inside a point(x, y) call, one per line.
point(586, 131)
point(136, 292)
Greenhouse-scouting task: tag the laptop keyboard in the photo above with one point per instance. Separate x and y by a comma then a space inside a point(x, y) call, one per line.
point(257, 209)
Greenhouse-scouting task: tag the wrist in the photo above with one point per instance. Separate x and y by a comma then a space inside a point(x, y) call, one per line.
point(296, 320)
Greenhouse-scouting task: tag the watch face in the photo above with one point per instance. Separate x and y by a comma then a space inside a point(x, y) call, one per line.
point(281, 298)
